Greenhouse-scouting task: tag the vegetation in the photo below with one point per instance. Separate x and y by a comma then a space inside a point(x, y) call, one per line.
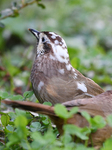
point(86, 27)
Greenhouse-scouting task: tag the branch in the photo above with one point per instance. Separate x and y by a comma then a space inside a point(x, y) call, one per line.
point(14, 11)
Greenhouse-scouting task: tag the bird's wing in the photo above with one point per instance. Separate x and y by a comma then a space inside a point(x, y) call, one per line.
point(93, 88)
point(64, 89)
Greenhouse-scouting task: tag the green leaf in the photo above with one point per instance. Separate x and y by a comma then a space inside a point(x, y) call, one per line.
point(28, 94)
point(13, 138)
point(5, 120)
point(10, 128)
point(73, 111)
point(16, 97)
point(2, 113)
point(47, 103)
point(12, 115)
point(41, 5)
point(35, 126)
point(83, 147)
point(36, 135)
point(48, 138)
point(46, 121)
point(109, 120)
point(24, 144)
point(86, 116)
point(98, 122)
point(107, 145)
point(3, 95)
point(20, 121)
point(79, 132)
point(66, 138)
point(61, 111)
point(24, 113)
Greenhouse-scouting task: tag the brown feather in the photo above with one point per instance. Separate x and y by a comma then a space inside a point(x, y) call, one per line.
point(58, 87)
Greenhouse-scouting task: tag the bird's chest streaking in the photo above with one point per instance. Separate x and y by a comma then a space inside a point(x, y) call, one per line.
point(52, 76)
point(49, 78)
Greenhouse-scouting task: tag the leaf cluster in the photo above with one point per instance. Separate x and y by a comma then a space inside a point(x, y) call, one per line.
point(22, 130)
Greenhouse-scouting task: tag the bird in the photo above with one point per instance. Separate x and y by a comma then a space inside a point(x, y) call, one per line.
point(98, 105)
point(52, 77)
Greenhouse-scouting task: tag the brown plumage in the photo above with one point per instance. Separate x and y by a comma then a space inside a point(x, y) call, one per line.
point(53, 78)
point(98, 105)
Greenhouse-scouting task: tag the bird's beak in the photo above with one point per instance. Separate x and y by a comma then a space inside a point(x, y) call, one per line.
point(34, 32)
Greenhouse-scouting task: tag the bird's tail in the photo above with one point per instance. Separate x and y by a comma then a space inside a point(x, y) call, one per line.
point(31, 106)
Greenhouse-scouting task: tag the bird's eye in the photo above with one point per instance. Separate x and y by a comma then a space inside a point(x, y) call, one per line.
point(43, 40)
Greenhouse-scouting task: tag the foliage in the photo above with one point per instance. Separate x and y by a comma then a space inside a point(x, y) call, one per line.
point(86, 27)
point(22, 130)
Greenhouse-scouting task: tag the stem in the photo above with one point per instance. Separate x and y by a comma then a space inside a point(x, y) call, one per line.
point(23, 5)
point(91, 140)
point(86, 143)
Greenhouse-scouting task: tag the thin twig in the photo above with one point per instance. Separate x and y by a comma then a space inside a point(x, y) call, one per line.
point(19, 8)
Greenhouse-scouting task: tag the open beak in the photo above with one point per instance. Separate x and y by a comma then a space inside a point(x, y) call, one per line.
point(34, 32)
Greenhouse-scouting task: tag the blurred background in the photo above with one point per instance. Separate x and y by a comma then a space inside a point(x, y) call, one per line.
point(86, 27)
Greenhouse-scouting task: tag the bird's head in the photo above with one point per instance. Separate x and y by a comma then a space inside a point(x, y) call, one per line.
point(51, 44)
